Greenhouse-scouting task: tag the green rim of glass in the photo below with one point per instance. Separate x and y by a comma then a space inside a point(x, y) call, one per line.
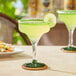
point(66, 11)
point(32, 21)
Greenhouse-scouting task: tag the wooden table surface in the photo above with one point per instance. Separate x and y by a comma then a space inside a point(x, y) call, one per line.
point(59, 63)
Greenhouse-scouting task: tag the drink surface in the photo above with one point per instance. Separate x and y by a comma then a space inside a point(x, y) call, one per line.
point(68, 17)
point(34, 28)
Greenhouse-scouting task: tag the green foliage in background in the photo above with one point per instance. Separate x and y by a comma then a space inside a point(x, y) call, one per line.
point(17, 38)
point(25, 4)
point(7, 8)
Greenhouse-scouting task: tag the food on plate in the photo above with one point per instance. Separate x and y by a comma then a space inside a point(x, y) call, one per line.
point(5, 47)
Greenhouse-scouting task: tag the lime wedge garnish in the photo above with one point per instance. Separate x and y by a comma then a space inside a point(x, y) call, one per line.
point(50, 18)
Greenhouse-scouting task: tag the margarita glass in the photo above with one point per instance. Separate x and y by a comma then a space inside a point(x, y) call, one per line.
point(69, 18)
point(34, 28)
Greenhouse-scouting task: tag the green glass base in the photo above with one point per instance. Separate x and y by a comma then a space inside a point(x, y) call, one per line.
point(34, 64)
point(70, 48)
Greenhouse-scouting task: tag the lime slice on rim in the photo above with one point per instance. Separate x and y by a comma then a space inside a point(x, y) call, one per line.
point(50, 18)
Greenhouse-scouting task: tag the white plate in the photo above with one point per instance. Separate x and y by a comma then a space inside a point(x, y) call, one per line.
point(16, 51)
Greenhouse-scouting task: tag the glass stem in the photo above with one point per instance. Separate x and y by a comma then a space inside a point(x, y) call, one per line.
point(34, 44)
point(71, 38)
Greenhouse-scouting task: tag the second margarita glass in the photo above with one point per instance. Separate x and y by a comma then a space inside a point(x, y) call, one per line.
point(69, 18)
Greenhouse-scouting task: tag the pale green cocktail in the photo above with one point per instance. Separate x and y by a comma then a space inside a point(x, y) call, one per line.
point(34, 29)
point(69, 18)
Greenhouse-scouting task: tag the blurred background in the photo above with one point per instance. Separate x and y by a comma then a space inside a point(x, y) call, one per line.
point(16, 9)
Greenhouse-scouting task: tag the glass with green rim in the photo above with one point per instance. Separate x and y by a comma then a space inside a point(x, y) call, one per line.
point(34, 29)
point(69, 18)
